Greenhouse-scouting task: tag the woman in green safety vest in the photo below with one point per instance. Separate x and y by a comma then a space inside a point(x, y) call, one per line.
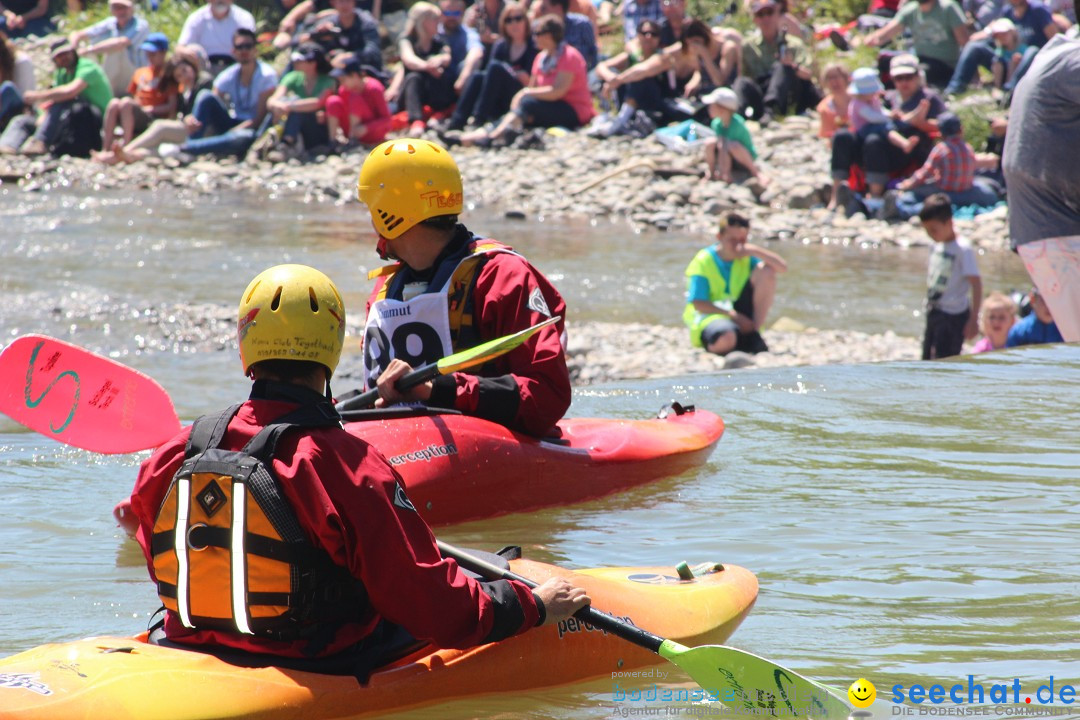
point(729, 290)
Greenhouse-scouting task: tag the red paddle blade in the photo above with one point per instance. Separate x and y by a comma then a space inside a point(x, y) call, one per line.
point(82, 399)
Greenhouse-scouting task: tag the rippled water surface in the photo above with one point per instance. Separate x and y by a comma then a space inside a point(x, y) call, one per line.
point(907, 522)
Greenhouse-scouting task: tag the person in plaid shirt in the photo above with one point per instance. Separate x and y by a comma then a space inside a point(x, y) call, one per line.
point(949, 169)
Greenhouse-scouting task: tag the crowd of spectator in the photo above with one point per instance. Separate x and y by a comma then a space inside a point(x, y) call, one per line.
point(334, 77)
point(483, 74)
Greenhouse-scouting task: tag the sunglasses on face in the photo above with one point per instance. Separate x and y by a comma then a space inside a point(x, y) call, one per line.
point(649, 33)
point(515, 18)
point(244, 46)
point(451, 13)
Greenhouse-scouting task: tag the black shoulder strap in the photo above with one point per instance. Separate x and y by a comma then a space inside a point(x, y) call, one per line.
point(208, 431)
point(263, 445)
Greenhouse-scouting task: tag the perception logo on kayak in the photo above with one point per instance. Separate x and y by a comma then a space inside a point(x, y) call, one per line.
point(425, 455)
point(24, 681)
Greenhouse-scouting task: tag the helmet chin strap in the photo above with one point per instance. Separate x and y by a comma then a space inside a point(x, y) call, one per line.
point(383, 249)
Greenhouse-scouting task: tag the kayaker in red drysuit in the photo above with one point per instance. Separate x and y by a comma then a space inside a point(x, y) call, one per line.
point(451, 290)
point(320, 562)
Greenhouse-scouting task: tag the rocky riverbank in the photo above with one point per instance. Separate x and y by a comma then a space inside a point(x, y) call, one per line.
point(636, 180)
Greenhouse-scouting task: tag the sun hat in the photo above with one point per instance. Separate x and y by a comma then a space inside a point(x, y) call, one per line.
point(865, 81)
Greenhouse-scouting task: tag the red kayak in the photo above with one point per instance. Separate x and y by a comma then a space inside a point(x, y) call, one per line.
point(458, 468)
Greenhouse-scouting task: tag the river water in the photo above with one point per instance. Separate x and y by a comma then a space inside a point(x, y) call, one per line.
point(908, 522)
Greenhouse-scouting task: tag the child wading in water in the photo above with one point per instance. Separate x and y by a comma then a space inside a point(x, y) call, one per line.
point(867, 117)
point(732, 143)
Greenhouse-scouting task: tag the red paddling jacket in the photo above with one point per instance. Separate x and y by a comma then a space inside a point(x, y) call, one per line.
point(351, 504)
point(488, 291)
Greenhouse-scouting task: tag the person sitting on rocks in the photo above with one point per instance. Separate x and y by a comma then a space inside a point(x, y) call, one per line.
point(939, 30)
point(25, 18)
point(833, 113)
point(675, 18)
point(730, 287)
point(1034, 26)
point(213, 28)
point(358, 111)
point(996, 318)
point(299, 99)
point(16, 79)
point(867, 117)
point(484, 18)
point(775, 70)
point(70, 121)
point(731, 143)
point(979, 49)
point(467, 53)
point(228, 119)
point(578, 30)
point(558, 94)
point(344, 33)
point(914, 110)
point(1037, 328)
point(646, 95)
point(949, 169)
point(423, 79)
point(117, 41)
point(691, 66)
point(487, 94)
point(151, 95)
point(184, 69)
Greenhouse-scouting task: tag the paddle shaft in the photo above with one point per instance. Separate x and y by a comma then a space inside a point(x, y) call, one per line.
point(596, 618)
point(408, 380)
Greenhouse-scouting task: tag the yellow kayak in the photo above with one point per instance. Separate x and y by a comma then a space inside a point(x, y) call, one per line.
point(126, 678)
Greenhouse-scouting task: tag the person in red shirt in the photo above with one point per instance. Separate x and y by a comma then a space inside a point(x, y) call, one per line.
point(153, 95)
point(451, 290)
point(331, 512)
point(357, 112)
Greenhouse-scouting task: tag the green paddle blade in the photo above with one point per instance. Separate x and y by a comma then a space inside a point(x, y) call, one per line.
point(746, 682)
point(492, 349)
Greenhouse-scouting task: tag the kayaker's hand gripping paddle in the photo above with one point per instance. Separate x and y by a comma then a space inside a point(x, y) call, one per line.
point(451, 363)
point(726, 674)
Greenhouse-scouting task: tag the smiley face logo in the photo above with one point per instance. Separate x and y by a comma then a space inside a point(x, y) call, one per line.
point(862, 693)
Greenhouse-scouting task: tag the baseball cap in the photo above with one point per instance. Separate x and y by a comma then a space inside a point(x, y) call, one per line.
point(756, 5)
point(724, 97)
point(155, 42)
point(949, 124)
point(353, 67)
point(904, 64)
point(129, 3)
point(59, 47)
point(306, 51)
point(1002, 25)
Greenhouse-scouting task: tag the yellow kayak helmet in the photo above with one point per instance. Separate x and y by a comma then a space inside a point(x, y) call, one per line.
point(404, 182)
point(291, 312)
